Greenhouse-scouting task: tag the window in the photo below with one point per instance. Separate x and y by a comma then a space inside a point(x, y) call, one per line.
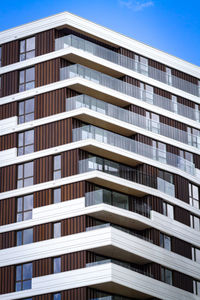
point(57, 229)
point(168, 76)
point(159, 151)
point(57, 265)
point(57, 195)
point(195, 222)
point(57, 296)
point(153, 122)
point(174, 103)
point(141, 64)
point(23, 277)
point(194, 195)
point(165, 182)
point(26, 79)
point(166, 275)
point(25, 142)
point(27, 48)
point(25, 175)
point(0, 57)
point(196, 287)
point(24, 208)
point(57, 167)
point(146, 92)
point(168, 210)
point(26, 111)
point(193, 137)
point(165, 241)
point(196, 254)
point(24, 236)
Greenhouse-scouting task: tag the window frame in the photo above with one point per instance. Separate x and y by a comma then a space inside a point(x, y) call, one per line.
point(163, 238)
point(58, 258)
point(55, 197)
point(55, 169)
point(22, 212)
point(26, 82)
point(164, 278)
point(25, 114)
point(192, 198)
point(22, 280)
point(26, 52)
point(23, 178)
point(22, 233)
point(25, 146)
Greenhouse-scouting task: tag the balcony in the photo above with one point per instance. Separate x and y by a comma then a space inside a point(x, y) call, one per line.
point(119, 141)
point(127, 89)
point(116, 169)
point(131, 118)
point(129, 63)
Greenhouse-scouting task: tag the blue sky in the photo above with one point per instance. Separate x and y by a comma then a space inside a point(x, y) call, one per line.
point(169, 25)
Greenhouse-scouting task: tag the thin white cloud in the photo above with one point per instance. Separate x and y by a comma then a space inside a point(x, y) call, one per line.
point(136, 5)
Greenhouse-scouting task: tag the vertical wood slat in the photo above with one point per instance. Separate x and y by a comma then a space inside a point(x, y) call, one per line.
point(8, 110)
point(47, 72)
point(182, 215)
point(7, 279)
point(42, 198)
point(183, 281)
point(136, 109)
point(181, 188)
point(8, 211)
point(181, 247)
point(7, 239)
point(8, 141)
point(9, 83)
point(8, 178)
point(184, 76)
point(53, 134)
point(45, 42)
point(69, 162)
point(42, 232)
point(43, 169)
point(72, 191)
point(73, 225)
point(10, 53)
point(75, 294)
point(73, 261)
point(43, 297)
point(43, 267)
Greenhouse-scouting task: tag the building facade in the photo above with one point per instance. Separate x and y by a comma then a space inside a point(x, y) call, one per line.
point(99, 166)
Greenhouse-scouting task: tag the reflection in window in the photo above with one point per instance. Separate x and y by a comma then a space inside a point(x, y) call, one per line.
point(196, 254)
point(25, 175)
point(57, 265)
point(168, 210)
point(26, 111)
point(159, 151)
point(24, 236)
point(196, 287)
point(165, 182)
point(26, 79)
point(57, 296)
point(166, 275)
point(24, 208)
point(25, 142)
point(195, 222)
point(194, 195)
point(23, 277)
point(57, 195)
point(57, 229)
point(168, 76)
point(57, 167)
point(27, 48)
point(165, 241)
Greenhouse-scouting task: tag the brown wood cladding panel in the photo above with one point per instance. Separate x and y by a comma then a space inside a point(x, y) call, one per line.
point(162, 93)
point(42, 232)
point(43, 169)
point(181, 247)
point(196, 159)
point(73, 225)
point(155, 203)
point(47, 72)
point(42, 198)
point(53, 102)
point(126, 52)
point(9, 83)
point(73, 261)
point(184, 76)
point(43, 297)
point(136, 109)
point(7, 279)
point(8, 178)
point(7, 239)
point(181, 188)
point(182, 215)
point(8, 211)
point(173, 123)
point(45, 42)
point(156, 65)
point(69, 162)
point(8, 141)
point(185, 102)
point(183, 281)
point(75, 294)
point(73, 191)
point(53, 134)
point(142, 139)
point(10, 53)
point(147, 169)
point(130, 80)
point(8, 110)
point(42, 267)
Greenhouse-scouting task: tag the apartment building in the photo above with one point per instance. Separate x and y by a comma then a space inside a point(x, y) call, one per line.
point(99, 166)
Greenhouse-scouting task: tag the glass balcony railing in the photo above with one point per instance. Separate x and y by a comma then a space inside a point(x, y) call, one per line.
point(116, 169)
point(115, 199)
point(113, 139)
point(127, 88)
point(127, 62)
point(119, 263)
point(132, 118)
